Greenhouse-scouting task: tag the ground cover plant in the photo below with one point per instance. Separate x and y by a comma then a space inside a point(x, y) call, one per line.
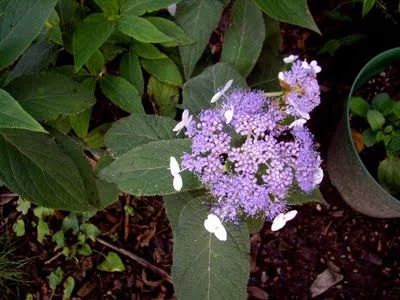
point(108, 105)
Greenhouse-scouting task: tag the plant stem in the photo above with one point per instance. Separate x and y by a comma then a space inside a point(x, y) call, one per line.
point(273, 94)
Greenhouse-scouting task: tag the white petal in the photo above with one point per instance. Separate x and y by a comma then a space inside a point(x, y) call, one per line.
point(174, 166)
point(305, 65)
point(278, 222)
point(179, 126)
point(299, 123)
point(172, 9)
point(228, 115)
point(216, 97)
point(303, 114)
point(177, 183)
point(290, 215)
point(315, 66)
point(290, 59)
point(188, 121)
point(185, 115)
point(220, 233)
point(227, 86)
point(211, 223)
point(281, 76)
point(318, 176)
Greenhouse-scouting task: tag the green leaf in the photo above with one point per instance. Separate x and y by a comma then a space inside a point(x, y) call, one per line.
point(163, 69)
point(290, 11)
point(47, 95)
point(41, 212)
point(53, 28)
point(375, 119)
point(140, 7)
point(55, 278)
point(34, 166)
point(95, 138)
point(121, 93)
point(59, 239)
point(131, 70)
point(91, 231)
point(255, 224)
point(389, 174)
point(34, 60)
point(198, 91)
point(141, 29)
point(42, 230)
point(95, 64)
point(112, 263)
point(204, 267)
point(12, 115)
point(369, 138)
point(20, 23)
point(367, 6)
point(137, 130)
point(394, 146)
point(19, 228)
point(80, 122)
point(62, 124)
point(85, 250)
point(164, 97)
point(148, 51)
point(396, 109)
point(172, 30)
point(108, 192)
point(23, 206)
point(265, 73)
point(89, 36)
point(110, 7)
point(198, 19)
point(330, 47)
point(298, 197)
point(359, 106)
point(243, 42)
point(144, 170)
point(69, 286)
point(70, 222)
point(383, 103)
point(175, 203)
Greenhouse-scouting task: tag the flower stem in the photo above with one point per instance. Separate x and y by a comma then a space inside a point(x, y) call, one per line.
point(273, 94)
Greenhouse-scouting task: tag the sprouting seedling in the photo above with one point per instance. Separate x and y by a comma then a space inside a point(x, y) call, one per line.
point(222, 92)
point(280, 220)
point(229, 114)
point(213, 224)
point(186, 119)
point(290, 59)
point(175, 170)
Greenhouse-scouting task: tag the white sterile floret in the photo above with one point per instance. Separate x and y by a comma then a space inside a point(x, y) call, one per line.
point(186, 119)
point(175, 170)
point(172, 9)
point(303, 114)
point(298, 123)
point(222, 92)
point(305, 65)
point(280, 220)
point(318, 176)
point(290, 59)
point(315, 67)
point(281, 76)
point(229, 115)
point(213, 224)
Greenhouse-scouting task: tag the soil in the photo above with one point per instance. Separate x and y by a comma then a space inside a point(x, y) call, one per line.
point(284, 264)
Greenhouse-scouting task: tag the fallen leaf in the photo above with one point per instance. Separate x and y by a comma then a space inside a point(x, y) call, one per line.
point(86, 289)
point(358, 140)
point(150, 283)
point(144, 238)
point(257, 293)
point(324, 281)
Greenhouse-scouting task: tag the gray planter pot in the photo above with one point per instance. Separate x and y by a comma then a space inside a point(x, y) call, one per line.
point(347, 172)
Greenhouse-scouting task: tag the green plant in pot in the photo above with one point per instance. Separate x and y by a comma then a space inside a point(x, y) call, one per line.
point(364, 156)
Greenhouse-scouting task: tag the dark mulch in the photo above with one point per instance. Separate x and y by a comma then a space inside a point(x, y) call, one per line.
point(284, 264)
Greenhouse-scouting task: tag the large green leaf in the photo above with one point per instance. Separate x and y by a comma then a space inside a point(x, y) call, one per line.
point(389, 174)
point(148, 51)
point(289, 11)
point(32, 165)
point(199, 90)
point(298, 197)
point(198, 18)
point(110, 7)
point(137, 130)
point(89, 36)
point(47, 95)
point(171, 29)
point(131, 70)
point(121, 93)
point(20, 24)
point(243, 42)
point(140, 7)
point(165, 97)
point(144, 170)
point(204, 267)
point(163, 69)
point(141, 29)
point(265, 73)
point(12, 115)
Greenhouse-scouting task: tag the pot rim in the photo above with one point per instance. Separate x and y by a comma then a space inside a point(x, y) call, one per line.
point(370, 69)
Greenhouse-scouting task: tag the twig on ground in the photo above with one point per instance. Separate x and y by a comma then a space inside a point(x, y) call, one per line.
point(136, 258)
point(53, 258)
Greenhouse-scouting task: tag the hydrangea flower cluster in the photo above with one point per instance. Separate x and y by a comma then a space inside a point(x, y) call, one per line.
point(252, 149)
